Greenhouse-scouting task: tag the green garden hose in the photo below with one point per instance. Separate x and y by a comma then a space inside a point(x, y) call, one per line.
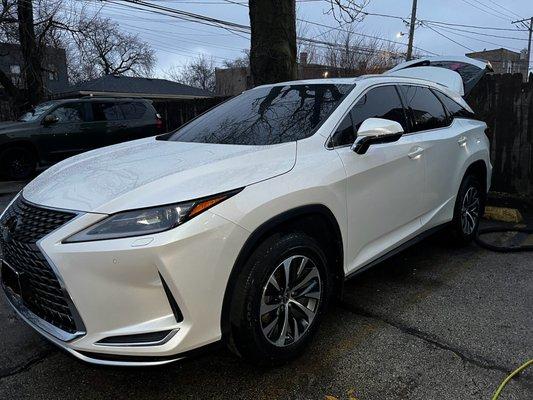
point(511, 375)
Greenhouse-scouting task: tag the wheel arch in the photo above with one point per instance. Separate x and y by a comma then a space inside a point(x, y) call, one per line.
point(478, 168)
point(21, 143)
point(323, 221)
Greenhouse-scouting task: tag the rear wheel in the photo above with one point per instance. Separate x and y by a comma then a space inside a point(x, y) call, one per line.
point(468, 210)
point(17, 163)
point(279, 299)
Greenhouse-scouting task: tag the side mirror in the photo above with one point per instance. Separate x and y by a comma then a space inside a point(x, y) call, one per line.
point(50, 119)
point(376, 131)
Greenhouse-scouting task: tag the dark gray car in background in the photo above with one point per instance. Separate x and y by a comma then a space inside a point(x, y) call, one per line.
point(58, 129)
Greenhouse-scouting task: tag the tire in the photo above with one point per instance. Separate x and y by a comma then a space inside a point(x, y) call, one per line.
point(468, 210)
point(17, 163)
point(257, 334)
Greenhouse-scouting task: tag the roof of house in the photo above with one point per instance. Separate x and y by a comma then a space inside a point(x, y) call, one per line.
point(499, 51)
point(127, 86)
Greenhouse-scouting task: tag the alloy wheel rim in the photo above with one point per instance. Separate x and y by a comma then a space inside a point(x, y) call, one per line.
point(470, 210)
point(290, 300)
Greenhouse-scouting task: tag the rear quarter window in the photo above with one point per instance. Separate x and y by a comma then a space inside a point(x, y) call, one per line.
point(455, 110)
point(133, 110)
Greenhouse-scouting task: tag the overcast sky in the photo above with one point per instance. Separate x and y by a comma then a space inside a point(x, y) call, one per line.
point(176, 41)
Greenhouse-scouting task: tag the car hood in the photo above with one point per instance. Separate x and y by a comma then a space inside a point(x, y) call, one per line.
point(150, 172)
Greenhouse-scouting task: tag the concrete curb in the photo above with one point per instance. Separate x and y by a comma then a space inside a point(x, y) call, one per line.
point(503, 214)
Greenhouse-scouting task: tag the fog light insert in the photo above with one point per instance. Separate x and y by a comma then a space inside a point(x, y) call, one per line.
point(141, 339)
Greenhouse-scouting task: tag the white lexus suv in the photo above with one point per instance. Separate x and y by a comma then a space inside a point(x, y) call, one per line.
point(240, 226)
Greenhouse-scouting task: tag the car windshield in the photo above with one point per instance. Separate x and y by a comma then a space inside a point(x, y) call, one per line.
point(37, 112)
point(265, 115)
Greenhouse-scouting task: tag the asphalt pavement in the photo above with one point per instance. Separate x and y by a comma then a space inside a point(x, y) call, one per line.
point(434, 322)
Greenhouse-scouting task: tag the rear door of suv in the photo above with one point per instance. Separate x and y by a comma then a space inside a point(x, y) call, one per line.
point(107, 123)
point(444, 147)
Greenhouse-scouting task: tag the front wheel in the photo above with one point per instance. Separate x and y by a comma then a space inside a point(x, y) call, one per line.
point(468, 210)
point(279, 299)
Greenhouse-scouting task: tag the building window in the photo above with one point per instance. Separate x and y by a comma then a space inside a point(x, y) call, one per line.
point(15, 69)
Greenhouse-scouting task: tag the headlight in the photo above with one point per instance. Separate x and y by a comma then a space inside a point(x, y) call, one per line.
point(147, 221)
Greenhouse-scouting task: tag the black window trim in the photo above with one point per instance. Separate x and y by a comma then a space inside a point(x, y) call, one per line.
point(431, 88)
point(327, 144)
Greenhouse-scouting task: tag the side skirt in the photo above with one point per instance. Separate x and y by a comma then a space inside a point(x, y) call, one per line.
point(397, 250)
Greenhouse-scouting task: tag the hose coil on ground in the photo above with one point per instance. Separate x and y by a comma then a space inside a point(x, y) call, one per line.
point(503, 249)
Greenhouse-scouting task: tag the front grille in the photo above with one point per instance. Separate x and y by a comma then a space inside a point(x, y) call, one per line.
point(41, 291)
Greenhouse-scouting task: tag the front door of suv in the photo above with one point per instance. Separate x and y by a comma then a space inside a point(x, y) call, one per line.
point(384, 186)
point(63, 138)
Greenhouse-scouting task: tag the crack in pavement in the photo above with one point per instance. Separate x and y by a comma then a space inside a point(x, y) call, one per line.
point(7, 372)
point(461, 353)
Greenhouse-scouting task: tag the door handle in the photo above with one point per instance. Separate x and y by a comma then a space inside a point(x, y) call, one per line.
point(416, 153)
point(462, 141)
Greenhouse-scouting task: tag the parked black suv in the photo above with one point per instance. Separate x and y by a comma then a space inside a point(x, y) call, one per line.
point(59, 129)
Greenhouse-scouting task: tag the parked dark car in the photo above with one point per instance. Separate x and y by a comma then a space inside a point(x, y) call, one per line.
point(59, 129)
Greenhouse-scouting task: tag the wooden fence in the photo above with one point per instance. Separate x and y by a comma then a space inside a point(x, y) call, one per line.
point(505, 103)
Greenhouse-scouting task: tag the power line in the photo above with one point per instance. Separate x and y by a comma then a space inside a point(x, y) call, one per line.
point(485, 11)
point(363, 35)
point(479, 33)
point(493, 9)
point(474, 26)
point(473, 38)
point(332, 28)
point(228, 25)
point(505, 8)
point(450, 39)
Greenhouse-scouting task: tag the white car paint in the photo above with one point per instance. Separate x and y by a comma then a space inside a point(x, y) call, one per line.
point(125, 176)
point(380, 200)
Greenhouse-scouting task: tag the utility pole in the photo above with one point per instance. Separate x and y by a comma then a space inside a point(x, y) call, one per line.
point(412, 32)
point(530, 28)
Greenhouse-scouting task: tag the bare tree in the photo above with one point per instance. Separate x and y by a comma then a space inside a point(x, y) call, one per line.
point(239, 62)
point(356, 55)
point(347, 10)
point(32, 24)
point(101, 48)
point(199, 73)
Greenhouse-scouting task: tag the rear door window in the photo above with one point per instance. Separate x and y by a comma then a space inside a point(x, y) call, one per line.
point(133, 110)
point(425, 109)
point(381, 102)
point(106, 111)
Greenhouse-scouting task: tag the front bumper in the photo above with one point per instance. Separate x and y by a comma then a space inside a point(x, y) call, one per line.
point(117, 288)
